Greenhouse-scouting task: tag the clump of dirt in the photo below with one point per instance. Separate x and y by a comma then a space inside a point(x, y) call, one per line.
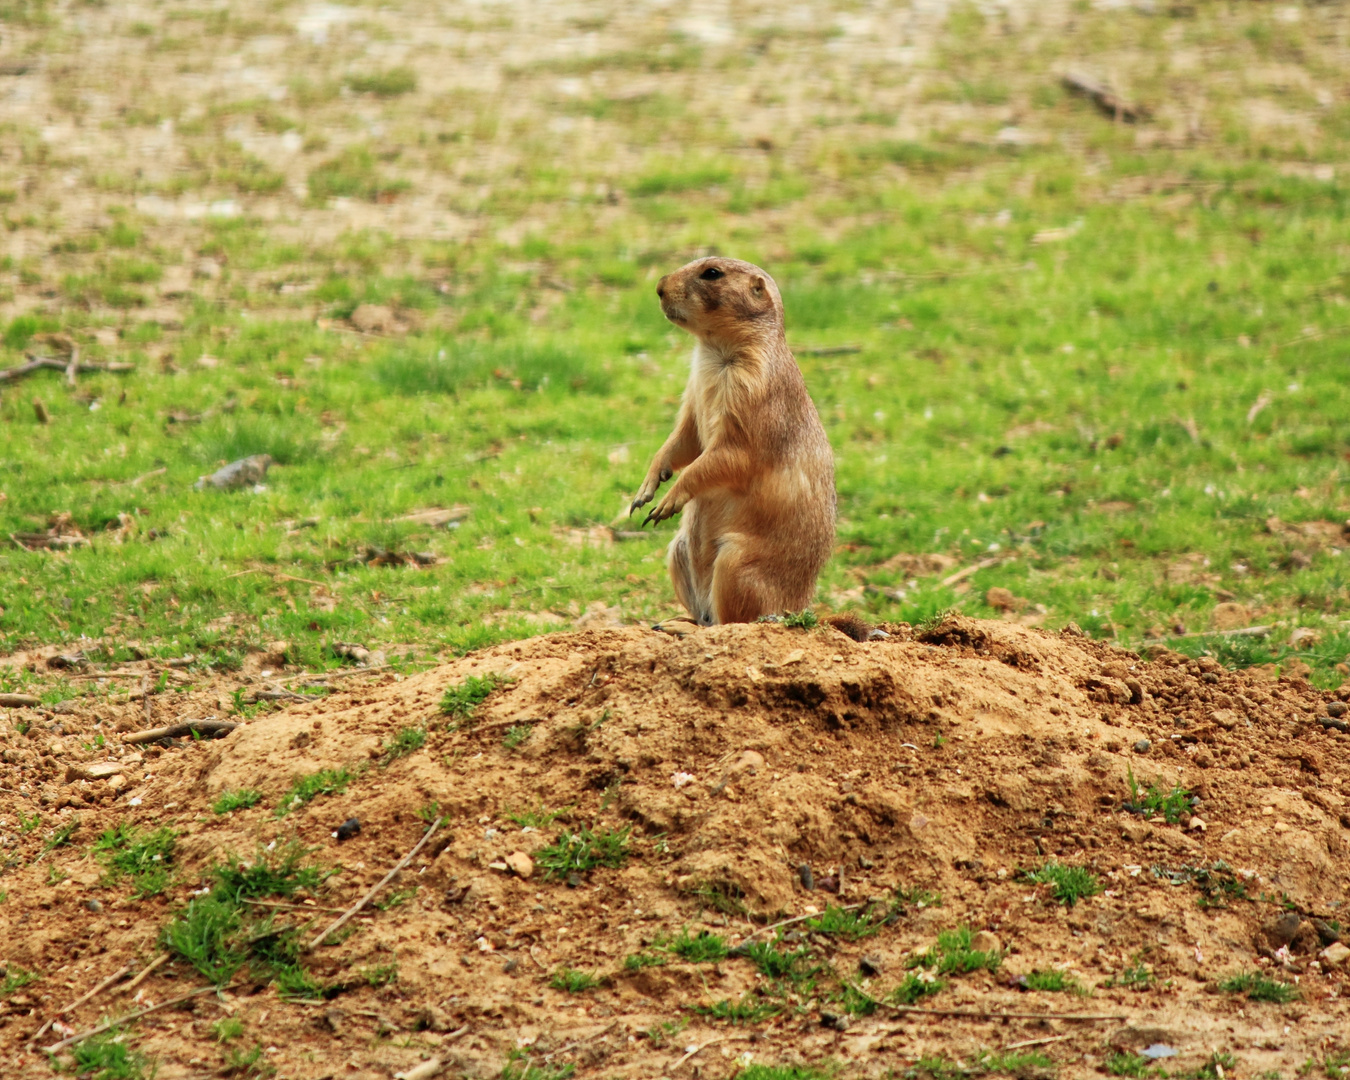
point(879, 793)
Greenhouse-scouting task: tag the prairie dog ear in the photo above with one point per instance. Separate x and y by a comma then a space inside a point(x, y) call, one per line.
point(757, 286)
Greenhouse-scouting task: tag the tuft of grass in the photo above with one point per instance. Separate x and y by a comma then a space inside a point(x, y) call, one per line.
point(1131, 1064)
point(541, 818)
point(353, 174)
point(461, 700)
point(380, 975)
point(231, 1027)
point(1217, 1066)
point(1055, 982)
point(107, 1056)
point(750, 1009)
point(1259, 987)
point(146, 859)
point(1217, 883)
point(389, 83)
point(914, 987)
point(305, 788)
point(571, 981)
point(919, 898)
point(798, 620)
point(842, 922)
point(14, 978)
point(280, 871)
point(781, 1072)
point(952, 954)
point(1154, 802)
point(792, 965)
point(1068, 884)
point(700, 948)
point(516, 735)
point(247, 1063)
point(519, 1067)
point(408, 741)
point(581, 851)
point(61, 837)
point(230, 801)
point(206, 935)
point(638, 961)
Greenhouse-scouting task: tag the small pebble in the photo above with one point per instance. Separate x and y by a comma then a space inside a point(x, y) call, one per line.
point(574, 880)
point(871, 965)
point(804, 873)
point(1142, 746)
point(510, 966)
point(93, 905)
point(347, 829)
point(1337, 708)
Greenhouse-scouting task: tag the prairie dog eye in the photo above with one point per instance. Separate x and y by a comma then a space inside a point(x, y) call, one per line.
point(711, 274)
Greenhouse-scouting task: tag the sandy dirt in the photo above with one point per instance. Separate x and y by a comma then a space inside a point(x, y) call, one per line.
point(946, 759)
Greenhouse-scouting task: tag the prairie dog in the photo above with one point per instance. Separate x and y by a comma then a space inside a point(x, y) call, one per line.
point(756, 483)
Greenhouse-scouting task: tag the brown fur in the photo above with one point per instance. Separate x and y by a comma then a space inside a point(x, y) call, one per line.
point(756, 482)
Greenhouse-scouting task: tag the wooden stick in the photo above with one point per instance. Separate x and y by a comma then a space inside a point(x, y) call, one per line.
point(50, 363)
point(101, 1028)
point(1104, 97)
point(298, 907)
point(695, 1050)
point(187, 727)
point(142, 478)
point(73, 366)
point(789, 922)
point(1037, 1042)
point(340, 673)
point(961, 575)
point(145, 972)
point(19, 701)
point(125, 969)
point(341, 921)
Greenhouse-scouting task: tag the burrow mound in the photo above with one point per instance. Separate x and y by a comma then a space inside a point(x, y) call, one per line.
point(750, 750)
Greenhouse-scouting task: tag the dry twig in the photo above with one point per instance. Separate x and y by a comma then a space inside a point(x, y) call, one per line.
point(187, 727)
point(99, 1029)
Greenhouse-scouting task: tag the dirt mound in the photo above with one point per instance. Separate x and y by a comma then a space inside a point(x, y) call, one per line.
point(739, 776)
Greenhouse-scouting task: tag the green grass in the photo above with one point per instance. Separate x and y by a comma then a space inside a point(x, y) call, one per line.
point(913, 988)
point(461, 700)
point(13, 978)
point(638, 961)
point(146, 858)
point(305, 788)
point(230, 801)
point(1055, 982)
point(700, 948)
point(791, 965)
point(60, 837)
point(407, 741)
point(540, 818)
point(581, 851)
point(281, 871)
point(1259, 987)
point(231, 1027)
point(781, 1072)
point(388, 83)
point(571, 981)
point(1068, 884)
point(108, 1056)
point(749, 1009)
point(851, 925)
point(206, 935)
point(516, 735)
point(952, 954)
point(1155, 802)
point(519, 1067)
point(1131, 1064)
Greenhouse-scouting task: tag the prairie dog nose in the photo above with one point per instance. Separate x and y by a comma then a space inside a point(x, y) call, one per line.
point(661, 287)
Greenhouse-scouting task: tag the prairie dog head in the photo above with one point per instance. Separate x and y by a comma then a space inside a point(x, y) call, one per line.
point(723, 302)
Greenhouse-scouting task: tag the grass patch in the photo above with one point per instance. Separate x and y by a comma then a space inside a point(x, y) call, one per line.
point(1131, 1064)
point(781, 1072)
point(571, 981)
point(241, 799)
point(540, 818)
point(389, 83)
point(638, 961)
point(952, 954)
point(792, 965)
point(1259, 987)
point(12, 978)
point(519, 1067)
point(581, 851)
point(750, 1009)
point(146, 858)
point(1054, 982)
point(409, 740)
point(851, 924)
point(1068, 884)
point(461, 700)
point(516, 735)
point(61, 836)
point(700, 948)
point(305, 788)
point(281, 871)
point(1217, 884)
point(1169, 805)
point(107, 1056)
point(353, 174)
point(206, 934)
point(914, 987)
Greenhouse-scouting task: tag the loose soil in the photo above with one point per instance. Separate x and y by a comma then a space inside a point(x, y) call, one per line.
point(947, 758)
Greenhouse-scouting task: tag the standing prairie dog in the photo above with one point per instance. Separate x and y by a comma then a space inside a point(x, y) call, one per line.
point(756, 481)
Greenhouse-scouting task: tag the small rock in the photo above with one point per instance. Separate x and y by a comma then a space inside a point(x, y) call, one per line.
point(871, 965)
point(1157, 1051)
point(1332, 723)
point(1197, 824)
point(96, 770)
point(1142, 746)
point(750, 761)
point(1303, 637)
point(510, 966)
point(1284, 929)
point(1337, 708)
point(93, 905)
point(1337, 954)
point(804, 875)
point(520, 864)
point(237, 474)
point(986, 941)
point(347, 829)
point(573, 880)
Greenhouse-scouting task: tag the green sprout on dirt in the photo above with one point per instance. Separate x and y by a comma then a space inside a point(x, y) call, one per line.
point(640, 960)
point(241, 799)
point(540, 818)
point(952, 954)
point(1055, 982)
point(247, 1063)
point(516, 735)
point(107, 1056)
point(781, 1072)
point(305, 788)
point(1131, 1064)
point(583, 850)
point(61, 837)
point(571, 981)
point(519, 1067)
point(206, 935)
point(848, 923)
point(390, 83)
point(1135, 977)
point(12, 978)
point(460, 701)
point(1068, 884)
point(1217, 1066)
point(914, 987)
point(408, 741)
point(792, 965)
point(1259, 987)
point(1217, 883)
point(700, 948)
point(800, 620)
point(28, 824)
point(750, 1009)
point(380, 975)
point(231, 1027)
point(917, 897)
point(145, 858)
point(1155, 802)
point(274, 871)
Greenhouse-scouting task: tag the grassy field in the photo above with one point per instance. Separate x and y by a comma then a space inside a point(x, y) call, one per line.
point(418, 271)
